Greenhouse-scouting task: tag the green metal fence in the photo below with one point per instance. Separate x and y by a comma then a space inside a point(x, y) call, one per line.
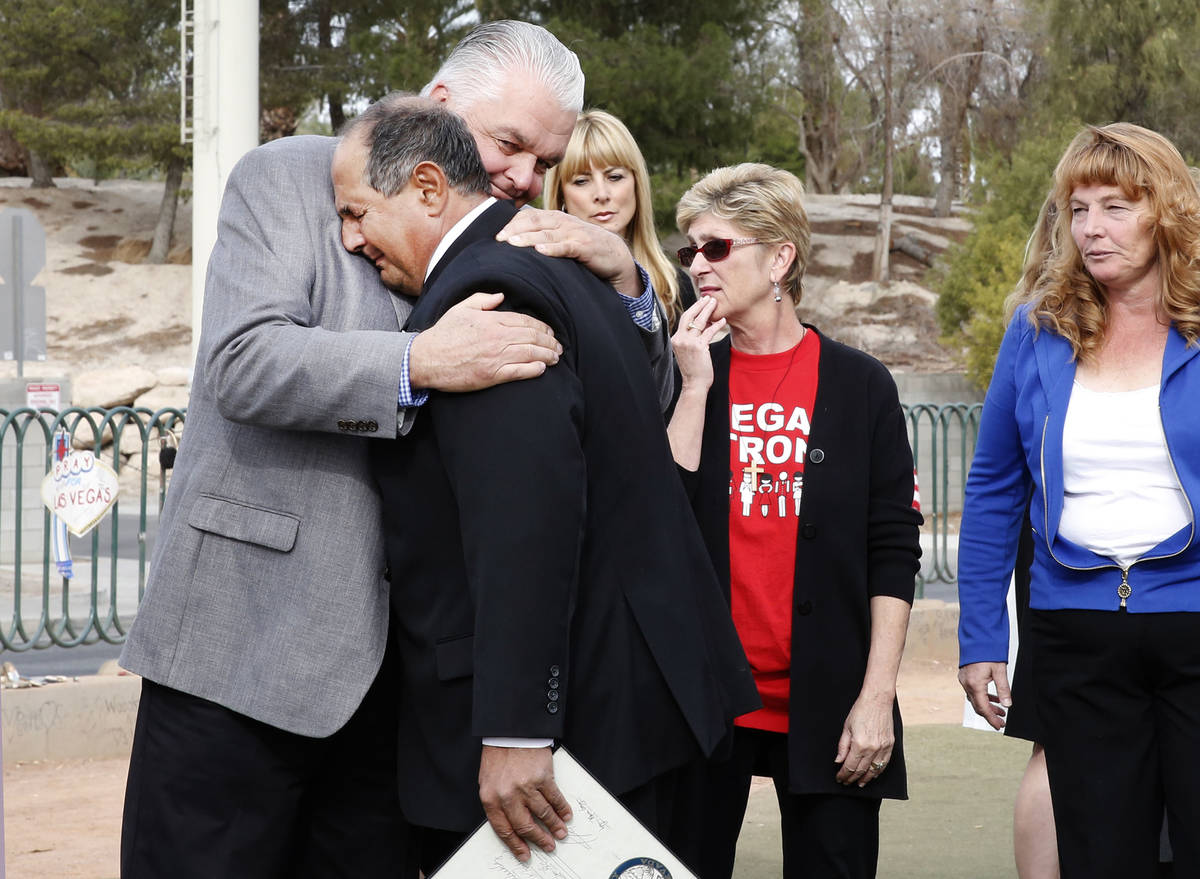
point(39, 607)
point(943, 441)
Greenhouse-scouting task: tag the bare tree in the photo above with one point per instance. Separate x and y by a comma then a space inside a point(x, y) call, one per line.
point(881, 61)
point(862, 80)
point(1014, 61)
point(956, 83)
point(812, 92)
point(164, 228)
point(959, 45)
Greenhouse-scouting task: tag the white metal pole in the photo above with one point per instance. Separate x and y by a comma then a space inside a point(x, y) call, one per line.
point(225, 120)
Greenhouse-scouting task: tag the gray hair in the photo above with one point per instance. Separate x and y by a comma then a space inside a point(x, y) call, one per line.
point(402, 130)
point(479, 64)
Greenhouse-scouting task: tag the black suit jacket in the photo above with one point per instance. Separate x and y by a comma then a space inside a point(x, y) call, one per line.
point(555, 583)
point(858, 538)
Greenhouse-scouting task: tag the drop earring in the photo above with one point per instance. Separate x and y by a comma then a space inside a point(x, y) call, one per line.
point(778, 295)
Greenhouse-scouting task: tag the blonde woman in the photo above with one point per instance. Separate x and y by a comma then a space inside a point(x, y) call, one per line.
point(1091, 418)
point(603, 179)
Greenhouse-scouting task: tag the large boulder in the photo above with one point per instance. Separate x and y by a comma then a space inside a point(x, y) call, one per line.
point(175, 376)
point(112, 386)
point(163, 397)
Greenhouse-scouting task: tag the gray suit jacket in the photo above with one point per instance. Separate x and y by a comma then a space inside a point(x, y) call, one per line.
point(267, 590)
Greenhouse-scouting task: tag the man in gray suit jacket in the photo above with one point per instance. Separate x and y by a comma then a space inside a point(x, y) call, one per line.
point(265, 741)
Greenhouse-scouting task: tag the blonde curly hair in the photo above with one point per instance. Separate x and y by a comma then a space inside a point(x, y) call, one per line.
point(1141, 163)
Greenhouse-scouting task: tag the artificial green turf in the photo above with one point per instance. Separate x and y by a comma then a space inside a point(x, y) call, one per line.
point(956, 824)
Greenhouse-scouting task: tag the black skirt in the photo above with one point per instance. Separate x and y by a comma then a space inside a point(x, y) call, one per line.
point(1022, 721)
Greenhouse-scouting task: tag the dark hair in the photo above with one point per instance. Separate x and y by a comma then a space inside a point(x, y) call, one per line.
point(402, 130)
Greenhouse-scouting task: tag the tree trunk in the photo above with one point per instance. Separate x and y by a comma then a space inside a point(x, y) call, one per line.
point(337, 115)
point(883, 241)
point(39, 172)
point(883, 246)
point(817, 173)
point(948, 164)
point(955, 92)
point(165, 226)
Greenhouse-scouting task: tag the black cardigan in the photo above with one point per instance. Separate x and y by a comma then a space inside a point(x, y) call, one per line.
point(857, 538)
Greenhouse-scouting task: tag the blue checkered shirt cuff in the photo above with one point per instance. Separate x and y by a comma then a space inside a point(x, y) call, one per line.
point(644, 309)
point(408, 397)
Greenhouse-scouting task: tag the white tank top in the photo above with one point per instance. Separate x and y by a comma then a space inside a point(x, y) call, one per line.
point(1121, 494)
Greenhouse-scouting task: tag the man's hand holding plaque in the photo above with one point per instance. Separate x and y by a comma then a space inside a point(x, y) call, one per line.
point(521, 800)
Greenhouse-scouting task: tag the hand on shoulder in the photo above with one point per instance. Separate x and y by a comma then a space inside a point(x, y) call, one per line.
point(555, 233)
point(474, 346)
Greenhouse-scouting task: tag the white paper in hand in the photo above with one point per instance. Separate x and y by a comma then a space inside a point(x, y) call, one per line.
point(603, 841)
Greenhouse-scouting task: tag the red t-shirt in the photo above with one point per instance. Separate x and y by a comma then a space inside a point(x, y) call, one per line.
point(770, 402)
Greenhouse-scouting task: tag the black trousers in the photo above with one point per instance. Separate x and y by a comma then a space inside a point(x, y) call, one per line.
point(212, 793)
point(1119, 701)
point(1022, 719)
point(825, 836)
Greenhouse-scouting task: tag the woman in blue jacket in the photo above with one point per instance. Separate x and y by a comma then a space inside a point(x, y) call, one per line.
point(1093, 419)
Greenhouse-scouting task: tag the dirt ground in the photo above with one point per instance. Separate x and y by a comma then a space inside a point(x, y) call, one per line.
point(63, 819)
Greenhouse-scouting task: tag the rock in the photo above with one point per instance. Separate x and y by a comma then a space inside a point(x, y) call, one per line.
point(832, 255)
point(85, 438)
point(129, 480)
point(163, 397)
point(156, 399)
point(909, 244)
point(175, 377)
point(114, 386)
point(841, 296)
point(894, 322)
point(131, 438)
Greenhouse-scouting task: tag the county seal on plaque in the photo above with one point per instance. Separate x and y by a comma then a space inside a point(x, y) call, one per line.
point(641, 868)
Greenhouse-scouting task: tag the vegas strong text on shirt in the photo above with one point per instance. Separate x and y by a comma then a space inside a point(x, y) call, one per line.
point(770, 402)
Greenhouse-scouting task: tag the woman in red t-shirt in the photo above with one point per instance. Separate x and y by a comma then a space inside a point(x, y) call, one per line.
point(796, 456)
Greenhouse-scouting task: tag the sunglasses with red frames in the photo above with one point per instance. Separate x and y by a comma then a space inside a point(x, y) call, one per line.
point(714, 251)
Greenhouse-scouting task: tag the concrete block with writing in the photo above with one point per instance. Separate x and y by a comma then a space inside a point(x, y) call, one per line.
point(933, 631)
point(92, 717)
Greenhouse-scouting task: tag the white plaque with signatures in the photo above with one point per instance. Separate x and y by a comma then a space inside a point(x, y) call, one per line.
point(603, 841)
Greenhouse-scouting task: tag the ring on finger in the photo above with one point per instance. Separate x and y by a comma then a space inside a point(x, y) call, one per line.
point(879, 766)
point(692, 326)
